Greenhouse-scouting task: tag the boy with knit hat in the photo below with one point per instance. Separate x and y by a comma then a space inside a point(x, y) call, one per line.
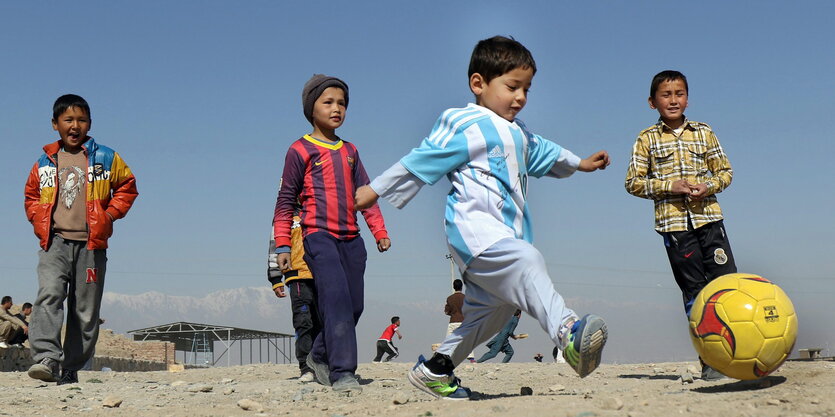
point(321, 174)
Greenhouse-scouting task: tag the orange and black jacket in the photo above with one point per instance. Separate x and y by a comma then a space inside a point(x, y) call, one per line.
point(111, 190)
point(299, 269)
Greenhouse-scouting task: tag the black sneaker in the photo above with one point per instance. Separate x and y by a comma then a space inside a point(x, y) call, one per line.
point(46, 370)
point(68, 377)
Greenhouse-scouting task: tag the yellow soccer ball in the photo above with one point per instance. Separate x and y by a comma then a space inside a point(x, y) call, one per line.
point(743, 325)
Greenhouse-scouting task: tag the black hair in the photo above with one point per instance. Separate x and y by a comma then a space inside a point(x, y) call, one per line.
point(667, 75)
point(517, 313)
point(394, 319)
point(499, 55)
point(26, 305)
point(457, 285)
point(6, 299)
point(69, 100)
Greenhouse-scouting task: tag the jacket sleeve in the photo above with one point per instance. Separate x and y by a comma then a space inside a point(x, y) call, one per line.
point(123, 185)
point(274, 275)
point(32, 193)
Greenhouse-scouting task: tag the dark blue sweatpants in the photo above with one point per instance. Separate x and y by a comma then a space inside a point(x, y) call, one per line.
point(338, 267)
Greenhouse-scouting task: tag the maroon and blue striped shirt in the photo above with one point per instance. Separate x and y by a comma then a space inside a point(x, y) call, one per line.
point(322, 179)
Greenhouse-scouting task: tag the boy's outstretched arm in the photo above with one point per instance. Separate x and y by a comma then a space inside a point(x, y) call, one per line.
point(598, 160)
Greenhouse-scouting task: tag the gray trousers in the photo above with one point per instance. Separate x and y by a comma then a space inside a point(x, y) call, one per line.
point(67, 271)
point(509, 275)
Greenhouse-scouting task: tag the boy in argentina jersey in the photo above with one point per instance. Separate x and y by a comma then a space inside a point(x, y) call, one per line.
point(487, 154)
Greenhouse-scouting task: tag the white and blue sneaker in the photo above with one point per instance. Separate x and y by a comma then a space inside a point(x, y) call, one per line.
point(446, 387)
point(584, 346)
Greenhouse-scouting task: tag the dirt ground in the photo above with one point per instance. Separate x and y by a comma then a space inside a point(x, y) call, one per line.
point(796, 389)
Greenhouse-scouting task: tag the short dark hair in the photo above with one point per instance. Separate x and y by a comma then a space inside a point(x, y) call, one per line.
point(499, 55)
point(66, 101)
point(26, 305)
point(395, 319)
point(6, 299)
point(667, 75)
point(518, 312)
point(457, 285)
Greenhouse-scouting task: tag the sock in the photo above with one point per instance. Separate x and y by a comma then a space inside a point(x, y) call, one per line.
point(440, 364)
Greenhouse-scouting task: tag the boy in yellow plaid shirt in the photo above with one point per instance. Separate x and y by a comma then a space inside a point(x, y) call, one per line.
point(680, 165)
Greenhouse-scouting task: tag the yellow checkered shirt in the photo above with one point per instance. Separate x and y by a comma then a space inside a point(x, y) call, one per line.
point(659, 158)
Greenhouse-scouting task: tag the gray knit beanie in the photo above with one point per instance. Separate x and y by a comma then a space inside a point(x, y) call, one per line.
point(314, 87)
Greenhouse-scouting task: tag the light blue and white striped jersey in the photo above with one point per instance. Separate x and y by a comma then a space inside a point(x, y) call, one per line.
point(488, 160)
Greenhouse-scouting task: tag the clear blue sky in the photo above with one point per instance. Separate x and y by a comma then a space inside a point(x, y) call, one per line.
point(202, 99)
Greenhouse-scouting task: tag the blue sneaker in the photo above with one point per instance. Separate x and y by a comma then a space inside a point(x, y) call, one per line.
point(439, 386)
point(585, 344)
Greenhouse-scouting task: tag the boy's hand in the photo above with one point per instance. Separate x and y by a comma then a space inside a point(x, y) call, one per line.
point(283, 261)
point(365, 198)
point(698, 191)
point(383, 244)
point(279, 291)
point(681, 187)
point(599, 160)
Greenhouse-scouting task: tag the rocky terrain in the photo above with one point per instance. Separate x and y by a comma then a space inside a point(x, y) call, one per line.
point(550, 389)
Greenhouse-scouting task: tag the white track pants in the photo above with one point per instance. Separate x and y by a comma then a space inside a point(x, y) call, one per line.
point(509, 275)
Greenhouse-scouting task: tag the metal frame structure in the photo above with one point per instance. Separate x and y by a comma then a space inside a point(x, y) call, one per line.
point(186, 338)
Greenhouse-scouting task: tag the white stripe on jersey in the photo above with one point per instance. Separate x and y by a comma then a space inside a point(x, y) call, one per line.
point(452, 120)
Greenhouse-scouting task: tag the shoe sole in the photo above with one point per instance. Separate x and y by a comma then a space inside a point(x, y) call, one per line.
point(421, 386)
point(42, 373)
point(320, 371)
point(351, 387)
point(592, 341)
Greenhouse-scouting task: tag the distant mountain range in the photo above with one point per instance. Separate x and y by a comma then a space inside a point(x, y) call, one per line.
point(251, 307)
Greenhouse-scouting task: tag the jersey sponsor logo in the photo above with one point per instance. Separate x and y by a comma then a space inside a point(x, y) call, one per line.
point(92, 275)
point(687, 255)
point(496, 153)
point(317, 163)
point(719, 256)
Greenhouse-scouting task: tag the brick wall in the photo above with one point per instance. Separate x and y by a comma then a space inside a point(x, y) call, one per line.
point(120, 346)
